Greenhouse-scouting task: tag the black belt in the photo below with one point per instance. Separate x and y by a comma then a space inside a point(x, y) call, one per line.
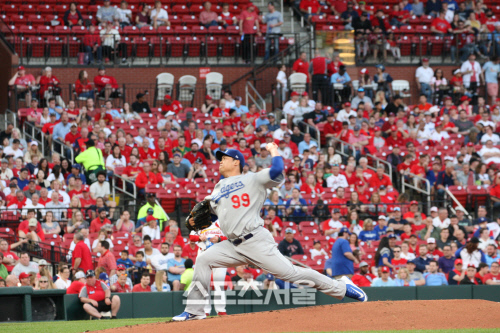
point(238, 241)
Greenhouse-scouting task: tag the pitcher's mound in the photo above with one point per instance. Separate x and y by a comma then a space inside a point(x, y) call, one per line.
point(392, 315)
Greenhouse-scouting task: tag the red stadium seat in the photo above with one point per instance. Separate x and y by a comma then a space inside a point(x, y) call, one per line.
point(193, 44)
point(175, 46)
point(142, 47)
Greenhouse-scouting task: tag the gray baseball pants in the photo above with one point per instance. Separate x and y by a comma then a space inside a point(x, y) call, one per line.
point(261, 251)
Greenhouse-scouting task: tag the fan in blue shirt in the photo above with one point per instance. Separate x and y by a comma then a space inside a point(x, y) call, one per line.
point(435, 278)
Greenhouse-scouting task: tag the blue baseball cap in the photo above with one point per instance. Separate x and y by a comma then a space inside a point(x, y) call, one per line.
point(344, 229)
point(392, 236)
point(482, 220)
point(233, 153)
point(361, 89)
point(103, 276)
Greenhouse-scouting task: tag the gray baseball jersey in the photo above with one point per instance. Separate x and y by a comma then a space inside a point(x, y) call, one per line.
point(237, 201)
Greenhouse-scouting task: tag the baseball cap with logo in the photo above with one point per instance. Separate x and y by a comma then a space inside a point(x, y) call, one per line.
point(233, 153)
point(294, 93)
point(363, 264)
point(32, 222)
point(288, 231)
point(458, 261)
point(90, 273)
point(434, 209)
point(283, 122)
point(431, 240)
point(121, 267)
point(385, 269)
point(344, 229)
point(23, 275)
point(414, 202)
point(103, 276)
point(382, 217)
point(79, 275)
point(86, 188)
point(150, 218)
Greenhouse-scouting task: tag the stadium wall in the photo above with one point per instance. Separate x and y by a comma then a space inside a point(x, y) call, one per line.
point(148, 305)
point(7, 60)
point(147, 75)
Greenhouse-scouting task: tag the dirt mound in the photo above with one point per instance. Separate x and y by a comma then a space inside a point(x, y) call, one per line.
point(394, 315)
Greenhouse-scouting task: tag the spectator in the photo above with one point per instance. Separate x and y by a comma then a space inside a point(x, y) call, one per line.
point(416, 276)
point(78, 283)
point(73, 16)
point(124, 14)
point(22, 84)
point(159, 16)
point(25, 265)
point(447, 261)
point(147, 177)
point(111, 43)
point(143, 286)
point(32, 231)
point(121, 285)
point(385, 279)
point(106, 85)
point(161, 282)
point(471, 277)
point(491, 254)
point(363, 278)
point(140, 105)
point(50, 226)
point(403, 279)
point(187, 276)
point(96, 296)
point(249, 26)
point(343, 78)
point(472, 74)
point(208, 18)
point(289, 246)
point(296, 207)
point(274, 21)
point(423, 77)
point(107, 14)
point(142, 18)
point(493, 278)
point(348, 16)
point(151, 229)
point(100, 221)
point(433, 277)
point(490, 71)
point(63, 282)
point(423, 260)
point(342, 260)
point(107, 259)
point(176, 268)
point(92, 46)
point(11, 281)
point(156, 211)
point(384, 255)
point(178, 169)
point(49, 88)
point(470, 254)
point(3, 270)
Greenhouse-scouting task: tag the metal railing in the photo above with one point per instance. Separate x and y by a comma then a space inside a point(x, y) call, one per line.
point(414, 178)
point(30, 131)
point(64, 150)
point(120, 185)
point(253, 95)
point(457, 203)
point(308, 129)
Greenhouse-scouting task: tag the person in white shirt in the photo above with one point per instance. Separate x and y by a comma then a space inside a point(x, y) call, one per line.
point(336, 179)
point(111, 42)
point(282, 82)
point(423, 77)
point(55, 185)
point(284, 150)
point(489, 135)
point(159, 16)
point(160, 261)
point(35, 204)
point(101, 187)
point(441, 221)
point(125, 14)
point(14, 149)
point(151, 229)
point(280, 132)
point(317, 250)
point(332, 226)
point(346, 112)
point(63, 282)
point(438, 134)
point(471, 71)
point(116, 159)
point(489, 153)
point(291, 105)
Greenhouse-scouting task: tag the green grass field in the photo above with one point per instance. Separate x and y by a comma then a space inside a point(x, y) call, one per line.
point(94, 325)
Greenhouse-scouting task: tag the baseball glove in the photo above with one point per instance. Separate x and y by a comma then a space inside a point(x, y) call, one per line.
point(201, 215)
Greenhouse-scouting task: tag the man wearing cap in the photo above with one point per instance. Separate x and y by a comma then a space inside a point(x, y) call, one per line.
point(397, 222)
point(141, 105)
point(25, 265)
point(96, 297)
point(106, 85)
point(342, 260)
point(99, 221)
point(113, 279)
point(93, 161)
point(346, 112)
point(32, 231)
point(442, 220)
point(280, 132)
point(22, 83)
point(360, 97)
point(363, 278)
point(170, 105)
point(384, 280)
point(423, 76)
point(289, 246)
point(208, 129)
point(24, 279)
point(78, 283)
point(290, 106)
point(158, 211)
point(432, 251)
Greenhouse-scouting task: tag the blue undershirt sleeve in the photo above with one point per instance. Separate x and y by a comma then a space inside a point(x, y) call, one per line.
point(277, 167)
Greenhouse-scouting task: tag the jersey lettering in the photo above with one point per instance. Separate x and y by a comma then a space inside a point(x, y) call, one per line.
point(245, 200)
point(226, 190)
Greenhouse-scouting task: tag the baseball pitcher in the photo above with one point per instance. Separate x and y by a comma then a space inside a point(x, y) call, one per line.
point(236, 201)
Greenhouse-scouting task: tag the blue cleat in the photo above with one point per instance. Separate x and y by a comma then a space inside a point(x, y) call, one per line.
point(187, 316)
point(353, 291)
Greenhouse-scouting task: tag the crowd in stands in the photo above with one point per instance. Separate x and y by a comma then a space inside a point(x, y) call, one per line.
point(105, 31)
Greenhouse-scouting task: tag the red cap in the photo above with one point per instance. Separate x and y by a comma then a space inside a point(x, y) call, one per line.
point(464, 98)
point(376, 128)
point(24, 275)
point(151, 218)
point(471, 265)
point(394, 128)
point(385, 269)
point(86, 188)
point(364, 71)
point(498, 99)
point(470, 144)
point(448, 98)
point(360, 183)
point(121, 267)
point(167, 97)
point(425, 59)
point(453, 107)
point(414, 202)
point(263, 113)
point(208, 97)
point(20, 68)
point(458, 261)
point(438, 124)
point(305, 93)
point(294, 93)
point(347, 104)
point(226, 123)
point(395, 146)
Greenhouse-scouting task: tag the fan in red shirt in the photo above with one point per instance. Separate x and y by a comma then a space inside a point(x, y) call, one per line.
point(364, 278)
point(48, 128)
point(77, 285)
point(340, 201)
point(395, 138)
point(48, 81)
point(72, 135)
point(106, 85)
point(301, 65)
point(190, 133)
point(310, 6)
point(86, 200)
point(121, 286)
point(406, 165)
point(433, 249)
point(147, 177)
point(133, 169)
point(439, 25)
point(145, 152)
point(380, 179)
point(194, 154)
point(103, 115)
point(100, 221)
point(96, 297)
point(144, 285)
point(247, 153)
point(171, 105)
point(190, 250)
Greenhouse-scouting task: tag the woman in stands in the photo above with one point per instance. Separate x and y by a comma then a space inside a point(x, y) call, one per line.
point(355, 223)
point(65, 167)
point(354, 203)
point(411, 126)
point(116, 159)
point(439, 86)
point(40, 179)
point(380, 97)
point(209, 105)
point(76, 223)
point(74, 206)
point(310, 186)
point(16, 134)
point(161, 283)
point(50, 226)
point(330, 156)
point(128, 114)
point(56, 174)
point(384, 255)
point(365, 80)
point(83, 87)
point(268, 224)
point(481, 175)
point(32, 151)
point(403, 279)
point(124, 223)
point(354, 243)
point(102, 235)
point(164, 159)
point(19, 164)
point(275, 201)
point(375, 207)
point(44, 283)
point(73, 16)
point(168, 178)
